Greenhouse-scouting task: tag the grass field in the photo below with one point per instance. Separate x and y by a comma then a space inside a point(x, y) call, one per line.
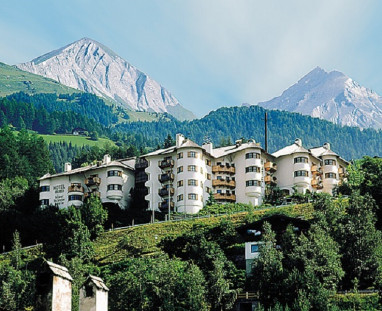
point(76, 140)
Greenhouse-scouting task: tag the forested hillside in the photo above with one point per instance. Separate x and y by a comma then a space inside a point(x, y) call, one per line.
point(225, 125)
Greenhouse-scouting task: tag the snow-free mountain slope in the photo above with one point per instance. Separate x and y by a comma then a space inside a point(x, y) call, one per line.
point(91, 67)
point(331, 96)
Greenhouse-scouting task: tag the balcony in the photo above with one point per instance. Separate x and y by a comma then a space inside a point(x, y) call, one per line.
point(163, 206)
point(270, 180)
point(224, 183)
point(164, 192)
point(341, 172)
point(223, 169)
point(270, 166)
point(76, 188)
point(141, 177)
point(166, 177)
point(316, 170)
point(225, 197)
point(317, 184)
point(94, 193)
point(92, 181)
point(169, 163)
point(141, 163)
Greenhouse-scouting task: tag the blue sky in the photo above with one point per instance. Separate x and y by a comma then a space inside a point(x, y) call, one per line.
point(209, 53)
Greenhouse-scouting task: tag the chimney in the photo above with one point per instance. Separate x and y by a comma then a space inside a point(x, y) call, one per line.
point(298, 142)
point(68, 167)
point(238, 143)
point(94, 295)
point(208, 147)
point(179, 140)
point(327, 146)
point(106, 159)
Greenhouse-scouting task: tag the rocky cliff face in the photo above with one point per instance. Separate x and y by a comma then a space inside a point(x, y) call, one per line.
point(91, 67)
point(332, 96)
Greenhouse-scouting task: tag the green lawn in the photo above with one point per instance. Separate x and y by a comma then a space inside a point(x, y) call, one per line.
point(76, 140)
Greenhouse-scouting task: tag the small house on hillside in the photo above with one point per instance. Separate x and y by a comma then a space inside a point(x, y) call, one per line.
point(94, 295)
point(79, 131)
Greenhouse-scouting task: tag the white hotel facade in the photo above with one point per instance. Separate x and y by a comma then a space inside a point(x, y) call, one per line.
point(183, 176)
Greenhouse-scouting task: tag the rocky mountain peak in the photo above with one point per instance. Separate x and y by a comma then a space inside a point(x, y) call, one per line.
point(90, 66)
point(332, 96)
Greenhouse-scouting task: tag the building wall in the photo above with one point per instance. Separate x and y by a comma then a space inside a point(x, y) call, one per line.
point(59, 187)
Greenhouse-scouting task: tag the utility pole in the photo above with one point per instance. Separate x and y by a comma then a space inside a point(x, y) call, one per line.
point(266, 131)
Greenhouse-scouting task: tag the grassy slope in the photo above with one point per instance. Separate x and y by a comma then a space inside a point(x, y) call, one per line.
point(143, 240)
point(13, 80)
point(76, 140)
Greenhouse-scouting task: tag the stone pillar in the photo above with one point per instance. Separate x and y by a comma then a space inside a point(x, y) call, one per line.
point(53, 288)
point(94, 295)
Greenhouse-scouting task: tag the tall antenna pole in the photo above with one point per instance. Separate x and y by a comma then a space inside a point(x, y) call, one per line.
point(266, 131)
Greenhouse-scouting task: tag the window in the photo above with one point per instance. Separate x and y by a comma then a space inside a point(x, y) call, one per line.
point(251, 169)
point(329, 162)
point(301, 160)
point(192, 196)
point(208, 176)
point(180, 155)
point(114, 173)
point(180, 197)
point(44, 188)
point(208, 162)
point(192, 154)
point(252, 155)
point(201, 184)
point(254, 248)
point(330, 175)
point(219, 178)
point(180, 183)
point(192, 182)
point(114, 187)
point(179, 169)
point(301, 174)
point(201, 170)
point(75, 197)
point(192, 168)
point(208, 189)
point(253, 183)
point(44, 202)
point(218, 191)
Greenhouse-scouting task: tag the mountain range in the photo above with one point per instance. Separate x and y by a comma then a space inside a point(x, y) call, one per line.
point(332, 96)
point(89, 66)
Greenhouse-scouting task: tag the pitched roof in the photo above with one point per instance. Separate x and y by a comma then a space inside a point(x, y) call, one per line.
point(294, 148)
point(59, 270)
point(89, 168)
point(98, 282)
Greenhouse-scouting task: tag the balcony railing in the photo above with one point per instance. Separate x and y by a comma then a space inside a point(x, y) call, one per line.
point(316, 183)
point(341, 172)
point(224, 183)
point(92, 181)
point(75, 188)
point(164, 192)
point(166, 163)
point(270, 166)
point(223, 169)
point(166, 177)
point(163, 206)
point(270, 180)
point(316, 170)
point(225, 197)
point(141, 163)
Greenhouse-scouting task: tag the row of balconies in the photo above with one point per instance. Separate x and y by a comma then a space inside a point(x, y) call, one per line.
point(317, 184)
point(166, 177)
point(165, 192)
point(163, 206)
point(270, 180)
point(270, 166)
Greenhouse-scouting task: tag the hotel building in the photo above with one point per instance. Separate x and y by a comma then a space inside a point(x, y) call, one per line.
point(182, 177)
